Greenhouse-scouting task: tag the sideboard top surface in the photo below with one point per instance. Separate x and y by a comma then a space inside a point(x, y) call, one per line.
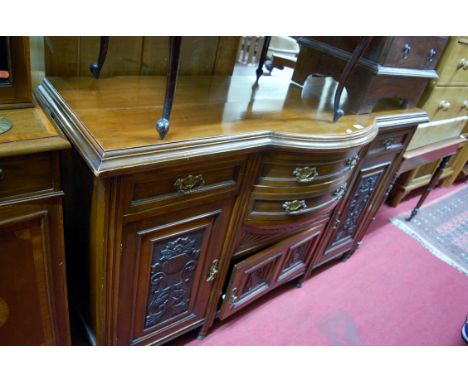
point(112, 120)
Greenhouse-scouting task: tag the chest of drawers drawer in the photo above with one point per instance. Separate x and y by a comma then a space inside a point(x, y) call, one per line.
point(447, 102)
point(453, 69)
point(26, 175)
point(419, 52)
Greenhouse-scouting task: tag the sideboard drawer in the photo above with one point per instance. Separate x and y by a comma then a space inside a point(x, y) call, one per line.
point(264, 271)
point(297, 171)
point(283, 208)
point(447, 102)
point(388, 143)
point(25, 175)
point(174, 185)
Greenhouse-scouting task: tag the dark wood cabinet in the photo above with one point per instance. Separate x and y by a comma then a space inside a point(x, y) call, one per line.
point(33, 291)
point(234, 202)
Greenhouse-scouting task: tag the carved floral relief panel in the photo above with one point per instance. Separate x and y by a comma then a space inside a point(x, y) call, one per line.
point(173, 266)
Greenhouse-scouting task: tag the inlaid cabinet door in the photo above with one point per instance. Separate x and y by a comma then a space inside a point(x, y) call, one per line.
point(33, 309)
point(174, 260)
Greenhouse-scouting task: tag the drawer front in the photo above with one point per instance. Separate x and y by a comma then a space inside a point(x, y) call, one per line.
point(447, 102)
point(264, 271)
point(276, 208)
point(25, 175)
point(180, 184)
point(414, 52)
point(453, 69)
point(296, 172)
point(387, 143)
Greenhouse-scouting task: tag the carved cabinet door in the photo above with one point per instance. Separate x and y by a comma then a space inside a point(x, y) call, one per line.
point(169, 267)
point(352, 216)
point(264, 271)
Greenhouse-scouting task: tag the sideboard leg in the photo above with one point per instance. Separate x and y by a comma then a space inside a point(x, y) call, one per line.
point(202, 333)
point(162, 125)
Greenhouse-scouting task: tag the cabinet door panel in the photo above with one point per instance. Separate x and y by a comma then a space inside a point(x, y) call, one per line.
point(25, 311)
point(264, 271)
point(363, 194)
point(175, 262)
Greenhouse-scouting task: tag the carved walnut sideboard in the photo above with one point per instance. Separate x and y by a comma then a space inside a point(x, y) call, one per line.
point(251, 188)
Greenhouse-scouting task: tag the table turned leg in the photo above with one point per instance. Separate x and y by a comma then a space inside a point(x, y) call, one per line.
point(434, 180)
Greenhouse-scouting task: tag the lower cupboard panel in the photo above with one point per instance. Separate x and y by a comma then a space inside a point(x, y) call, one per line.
point(264, 271)
point(172, 262)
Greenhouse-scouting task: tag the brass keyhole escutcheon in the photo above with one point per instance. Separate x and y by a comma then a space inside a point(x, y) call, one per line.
point(233, 296)
point(213, 271)
point(5, 125)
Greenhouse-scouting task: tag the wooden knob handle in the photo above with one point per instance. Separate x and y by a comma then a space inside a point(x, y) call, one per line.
point(444, 105)
point(463, 64)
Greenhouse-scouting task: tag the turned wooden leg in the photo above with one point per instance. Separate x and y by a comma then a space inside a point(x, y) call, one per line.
point(434, 180)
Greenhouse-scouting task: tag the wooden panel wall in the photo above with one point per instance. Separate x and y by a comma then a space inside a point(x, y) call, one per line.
point(71, 56)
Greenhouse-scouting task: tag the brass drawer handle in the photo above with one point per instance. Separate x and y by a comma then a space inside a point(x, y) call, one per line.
point(2, 174)
point(294, 206)
point(463, 63)
point(444, 105)
point(388, 143)
point(305, 174)
point(352, 162)
point(340, 191)
point(233, 296)
point(189, 184)
point(213, 271)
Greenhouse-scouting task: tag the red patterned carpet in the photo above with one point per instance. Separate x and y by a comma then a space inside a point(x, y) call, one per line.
point(393, 291)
